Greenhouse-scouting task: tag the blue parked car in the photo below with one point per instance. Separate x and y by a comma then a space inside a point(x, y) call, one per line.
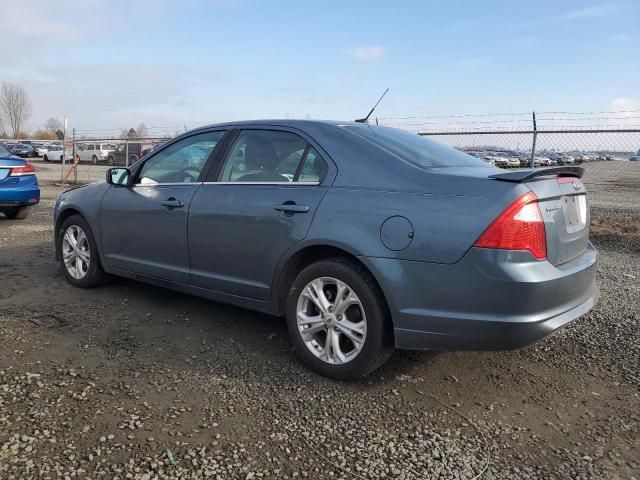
point(365, 238)
point(19, 188)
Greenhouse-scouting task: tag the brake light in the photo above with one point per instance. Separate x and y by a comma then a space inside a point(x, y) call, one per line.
point(562, 179)
point(28, 169)
point(519, 227)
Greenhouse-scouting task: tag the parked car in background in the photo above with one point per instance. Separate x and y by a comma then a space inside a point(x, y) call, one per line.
point(42, 149)
point(135, 150)
point(53, 154)
point(19, 188)
point(94, 152)
point(24, 150)
point(542, 161)
point(324, 224)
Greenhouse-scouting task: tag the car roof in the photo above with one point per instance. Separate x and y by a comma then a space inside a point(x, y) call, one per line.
point(281, 122)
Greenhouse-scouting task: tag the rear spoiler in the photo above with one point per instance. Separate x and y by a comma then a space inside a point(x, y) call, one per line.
point(520, 176)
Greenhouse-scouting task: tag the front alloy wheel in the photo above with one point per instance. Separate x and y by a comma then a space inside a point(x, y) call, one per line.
point(331, 320)
point(76, 252)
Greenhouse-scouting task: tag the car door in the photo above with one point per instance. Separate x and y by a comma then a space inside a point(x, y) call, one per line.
point(144, 225)
point(259, 201)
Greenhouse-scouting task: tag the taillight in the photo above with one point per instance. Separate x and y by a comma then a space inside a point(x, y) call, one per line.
point(28, 169)
point(519, 227)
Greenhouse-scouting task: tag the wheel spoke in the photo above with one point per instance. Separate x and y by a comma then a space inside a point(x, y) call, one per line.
point(84, 255)
point(70, 238)
point(315, 293)
point(353, 331)
point(328, 347)
point(335, 347)
point(345, 301)
point(78, 266)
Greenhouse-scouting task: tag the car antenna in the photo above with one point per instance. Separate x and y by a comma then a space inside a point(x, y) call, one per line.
point(366, 119)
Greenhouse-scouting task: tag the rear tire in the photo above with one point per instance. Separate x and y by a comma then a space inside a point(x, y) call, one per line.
point(94, 159)
point(16, 213)
point(363, 332)
point(80, 264)
point(45, 158)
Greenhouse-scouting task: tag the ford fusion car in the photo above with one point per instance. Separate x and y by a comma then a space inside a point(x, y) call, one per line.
point(18, 186)
point(365, 238)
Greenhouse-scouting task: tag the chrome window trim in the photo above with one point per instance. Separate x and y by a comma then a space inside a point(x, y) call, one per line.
point(261, 183)
point(165, 184)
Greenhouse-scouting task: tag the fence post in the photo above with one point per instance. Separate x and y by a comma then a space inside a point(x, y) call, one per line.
point(64, 148)
point(73, 156)
point(533, 147)
point(126, 153)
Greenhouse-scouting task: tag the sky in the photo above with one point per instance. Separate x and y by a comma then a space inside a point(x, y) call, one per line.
point(111, 64)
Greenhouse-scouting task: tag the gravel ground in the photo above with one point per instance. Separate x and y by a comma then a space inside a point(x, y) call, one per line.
point(132, 381)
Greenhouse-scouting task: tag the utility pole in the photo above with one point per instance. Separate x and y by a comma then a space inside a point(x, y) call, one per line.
point(533, 148)
point(73, 151)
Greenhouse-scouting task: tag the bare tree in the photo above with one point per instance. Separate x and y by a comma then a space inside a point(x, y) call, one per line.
point(141, 131)
point(53, 125)
point(15, 106)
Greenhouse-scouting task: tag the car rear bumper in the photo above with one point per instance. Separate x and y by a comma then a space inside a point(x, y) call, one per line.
point(19, 191)
point(489, 300)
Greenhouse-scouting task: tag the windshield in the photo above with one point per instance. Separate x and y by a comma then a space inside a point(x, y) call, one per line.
point(4, 152)
point(414, 148)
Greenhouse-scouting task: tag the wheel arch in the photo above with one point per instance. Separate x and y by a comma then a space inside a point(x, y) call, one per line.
point(306, 255)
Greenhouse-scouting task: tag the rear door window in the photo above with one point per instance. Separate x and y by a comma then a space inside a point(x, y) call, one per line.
point(271, 156)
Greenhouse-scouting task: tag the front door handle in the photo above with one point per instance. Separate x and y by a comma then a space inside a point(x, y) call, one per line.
point(171, 203)
point(291, 208)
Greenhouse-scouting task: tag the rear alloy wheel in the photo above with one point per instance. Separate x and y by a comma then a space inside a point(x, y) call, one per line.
point(78, 254)
point(337, 319)
point(16, 213)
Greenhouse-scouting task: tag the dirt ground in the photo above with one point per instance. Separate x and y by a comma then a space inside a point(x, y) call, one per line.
point(133, 381)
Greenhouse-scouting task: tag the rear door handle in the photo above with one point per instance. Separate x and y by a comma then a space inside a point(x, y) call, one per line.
point(172, 203)
point(291, 208)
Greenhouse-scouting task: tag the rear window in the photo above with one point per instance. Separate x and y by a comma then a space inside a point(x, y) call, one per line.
point(414, 148)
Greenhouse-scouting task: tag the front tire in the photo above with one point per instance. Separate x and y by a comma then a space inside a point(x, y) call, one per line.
point(16, 213)
point(94, 159)
point(45, 158)
point(78, 254)
point(338, 320)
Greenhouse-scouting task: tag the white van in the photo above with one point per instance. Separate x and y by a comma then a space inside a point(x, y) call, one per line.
point(94, 152)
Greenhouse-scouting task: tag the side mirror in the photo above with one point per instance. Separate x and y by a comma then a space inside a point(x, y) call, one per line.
point(118, 176)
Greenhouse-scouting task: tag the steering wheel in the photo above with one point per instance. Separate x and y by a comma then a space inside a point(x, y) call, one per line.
point(190, 174)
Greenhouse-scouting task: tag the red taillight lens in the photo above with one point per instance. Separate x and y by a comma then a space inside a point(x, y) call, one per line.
point(519, 227)
point(28, 169)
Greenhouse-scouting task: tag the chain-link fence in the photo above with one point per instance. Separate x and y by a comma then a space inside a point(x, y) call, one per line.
point(545, 147)
point(611, 157)
point(84, 156)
